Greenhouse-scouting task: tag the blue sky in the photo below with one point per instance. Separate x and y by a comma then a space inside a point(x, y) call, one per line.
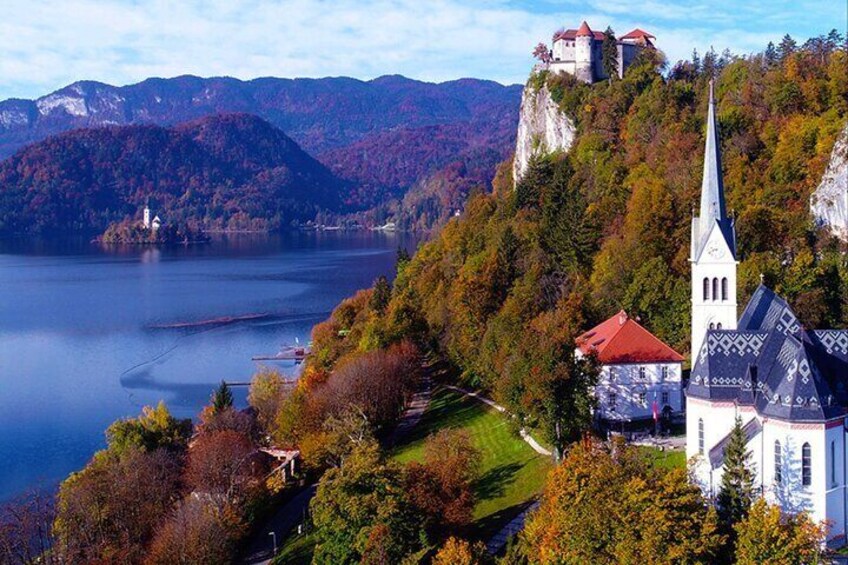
point(46, 44)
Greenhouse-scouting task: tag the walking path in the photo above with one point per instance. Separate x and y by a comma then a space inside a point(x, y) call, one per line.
point(292, 513)
point(525, 435)
point(500, 539)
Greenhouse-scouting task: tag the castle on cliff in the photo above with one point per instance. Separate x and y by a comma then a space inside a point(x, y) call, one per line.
point(578, 52)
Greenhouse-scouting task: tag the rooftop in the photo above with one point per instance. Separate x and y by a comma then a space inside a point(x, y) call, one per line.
point(621, 339)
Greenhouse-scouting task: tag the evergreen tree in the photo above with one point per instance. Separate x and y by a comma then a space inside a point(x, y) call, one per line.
point(787, 47)
point(770, 55)
point(737, 483)
point(696, 61)
point(710, 64)
point(222, 398)
point(381, 295)
point(609, 54)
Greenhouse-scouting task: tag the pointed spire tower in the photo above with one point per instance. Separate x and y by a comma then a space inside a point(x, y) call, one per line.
point(713, 248)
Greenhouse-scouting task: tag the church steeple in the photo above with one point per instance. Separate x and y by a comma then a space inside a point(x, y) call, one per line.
point(713, 253)
point(713, 209)
point(712, 186)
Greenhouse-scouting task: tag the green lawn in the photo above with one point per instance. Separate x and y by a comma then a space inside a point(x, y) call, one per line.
point(296, 550)
point(667, 459)
point(512, 474)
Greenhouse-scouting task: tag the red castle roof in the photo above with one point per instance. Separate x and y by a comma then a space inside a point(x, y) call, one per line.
point(637, 34)
point(570, 34)
point(584, 29)
point(623, 340)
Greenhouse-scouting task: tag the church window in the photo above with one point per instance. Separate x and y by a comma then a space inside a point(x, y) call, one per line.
point(715, 289)
point(611, 400)
point(778, 463)
point(724, 289)
point(712, 326)
point(718, 326)
point(706, 289)
point(833, 463)
point(806, 465)
point(701, 436)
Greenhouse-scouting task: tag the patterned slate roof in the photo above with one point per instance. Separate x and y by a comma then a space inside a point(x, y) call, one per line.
point(771, 362)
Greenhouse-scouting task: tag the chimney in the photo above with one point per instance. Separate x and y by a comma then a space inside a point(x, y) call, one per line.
point(622, 317)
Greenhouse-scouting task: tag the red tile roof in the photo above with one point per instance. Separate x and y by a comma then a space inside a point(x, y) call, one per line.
point(572, 33)
point(637, 34)
point(584, 29)
point(623, 340)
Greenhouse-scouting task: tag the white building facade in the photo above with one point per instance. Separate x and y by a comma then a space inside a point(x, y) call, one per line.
point(788, 385)
point(640, 376)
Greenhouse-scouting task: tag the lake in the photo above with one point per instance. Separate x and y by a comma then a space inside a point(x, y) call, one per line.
point(82, 341)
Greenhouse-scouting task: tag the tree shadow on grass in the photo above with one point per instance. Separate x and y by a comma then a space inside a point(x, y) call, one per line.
point(488, 526)
point(493, 483)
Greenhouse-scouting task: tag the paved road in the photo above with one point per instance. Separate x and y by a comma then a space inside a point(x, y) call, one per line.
point(498, 541)
point(287, 517)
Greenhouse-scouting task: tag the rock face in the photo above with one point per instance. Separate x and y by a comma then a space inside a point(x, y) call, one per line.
point(829, 203)
point(542, 129)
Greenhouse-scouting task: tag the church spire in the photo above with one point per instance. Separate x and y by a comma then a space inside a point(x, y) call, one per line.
point(712, 186)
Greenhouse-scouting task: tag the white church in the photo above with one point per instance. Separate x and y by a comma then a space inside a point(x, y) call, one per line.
point(787, 383)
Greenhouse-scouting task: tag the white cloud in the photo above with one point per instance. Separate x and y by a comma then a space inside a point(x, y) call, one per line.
point(49, 43)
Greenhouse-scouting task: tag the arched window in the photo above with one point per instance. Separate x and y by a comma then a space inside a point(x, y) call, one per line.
point(833, 464)
point(712, 326)
point(718, 326)
point(715, 289)
point(701, 436)
point(724, 289)
point(706, 289)
point(778, 463)
point(806, 465)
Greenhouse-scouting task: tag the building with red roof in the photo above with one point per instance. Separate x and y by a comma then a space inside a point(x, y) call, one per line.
point(579, 52)
point(641, 376)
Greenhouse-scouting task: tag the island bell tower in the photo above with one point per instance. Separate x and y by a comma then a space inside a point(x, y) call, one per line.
point(713, 247)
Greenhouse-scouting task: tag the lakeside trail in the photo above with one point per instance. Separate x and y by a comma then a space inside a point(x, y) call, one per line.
point(259, 550)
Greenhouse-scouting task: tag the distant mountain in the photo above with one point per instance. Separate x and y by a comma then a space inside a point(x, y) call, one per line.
point(385, 133)
point(232, 171)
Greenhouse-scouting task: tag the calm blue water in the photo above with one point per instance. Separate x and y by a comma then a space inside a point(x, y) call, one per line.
point(78, 348)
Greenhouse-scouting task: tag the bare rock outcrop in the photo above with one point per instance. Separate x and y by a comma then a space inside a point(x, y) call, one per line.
point(542, 128)
point(829, 203)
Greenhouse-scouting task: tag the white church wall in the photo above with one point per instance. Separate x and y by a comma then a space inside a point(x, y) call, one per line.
point(718, 419)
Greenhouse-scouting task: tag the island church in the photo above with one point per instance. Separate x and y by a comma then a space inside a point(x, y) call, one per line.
point(788, 384)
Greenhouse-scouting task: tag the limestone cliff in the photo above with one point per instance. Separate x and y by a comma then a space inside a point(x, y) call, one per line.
point(829, 203)
point(542, 128)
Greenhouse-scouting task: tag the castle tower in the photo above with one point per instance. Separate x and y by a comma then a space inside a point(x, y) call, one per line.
point(713, 247)
point(583, 53)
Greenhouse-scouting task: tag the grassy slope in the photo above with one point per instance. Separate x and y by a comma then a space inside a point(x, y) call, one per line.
point(511, 472)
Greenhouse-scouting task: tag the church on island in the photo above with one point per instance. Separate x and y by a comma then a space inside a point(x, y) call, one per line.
point(786, 383)
point(579, 52)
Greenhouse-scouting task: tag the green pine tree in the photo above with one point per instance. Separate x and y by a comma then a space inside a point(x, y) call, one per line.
point(737, 483)
point(222, 398)
point(381, 295)
point(609, 54)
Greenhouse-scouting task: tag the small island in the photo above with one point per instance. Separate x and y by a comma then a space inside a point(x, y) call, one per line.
point(151, 232)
